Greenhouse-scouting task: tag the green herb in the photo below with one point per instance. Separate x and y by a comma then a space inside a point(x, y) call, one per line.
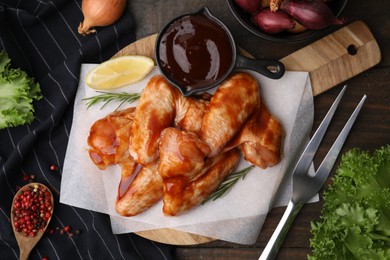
point(228, 184)
point(355, 221)
point(107, 97)
point(17, 93)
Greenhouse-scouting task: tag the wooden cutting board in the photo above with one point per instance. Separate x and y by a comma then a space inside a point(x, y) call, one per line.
point(330, 61)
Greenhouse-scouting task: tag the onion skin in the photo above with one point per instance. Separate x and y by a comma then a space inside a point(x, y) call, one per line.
point(273, 21)
point(274, 5)
point(100, 13)
point(299, 28)
point(312, 14)
point(249, 6)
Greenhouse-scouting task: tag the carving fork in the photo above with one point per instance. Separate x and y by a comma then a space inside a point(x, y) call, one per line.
point(304, 186)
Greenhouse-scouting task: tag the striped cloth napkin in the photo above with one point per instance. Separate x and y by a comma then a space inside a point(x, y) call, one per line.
point(41, 38)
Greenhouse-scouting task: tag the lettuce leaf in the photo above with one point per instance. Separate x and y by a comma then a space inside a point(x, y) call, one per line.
point(17, 93)
point(355, 220)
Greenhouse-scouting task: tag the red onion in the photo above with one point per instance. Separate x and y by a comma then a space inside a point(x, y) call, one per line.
point(250, 6)
point(312, 14)
point(273, 22)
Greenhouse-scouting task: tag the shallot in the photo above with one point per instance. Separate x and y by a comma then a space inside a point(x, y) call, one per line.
point(273, 22)
point(100, 13)
point(250, 6)
point(312, 14)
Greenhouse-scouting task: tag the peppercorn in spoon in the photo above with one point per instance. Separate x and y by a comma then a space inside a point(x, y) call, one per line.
point(31, 212)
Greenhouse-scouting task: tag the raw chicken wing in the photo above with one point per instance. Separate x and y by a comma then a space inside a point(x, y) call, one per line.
point(260, 139)
point(154, 113)
point(181, 195)
point(190, 113)
point(108, 138)
point(138, 194)
point(182, 154)
point(229, 108)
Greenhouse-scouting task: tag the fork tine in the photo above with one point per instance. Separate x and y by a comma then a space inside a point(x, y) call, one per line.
point(330, 158)
point(308, 154)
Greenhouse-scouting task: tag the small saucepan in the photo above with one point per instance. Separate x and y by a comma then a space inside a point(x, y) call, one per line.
point(196, 52)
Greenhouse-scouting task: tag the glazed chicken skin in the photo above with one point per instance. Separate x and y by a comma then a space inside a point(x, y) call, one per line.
point(154, 113)
point(260, 139)
point(137, 194)
point(108, 138)
point(180, 194)
point(229, 108)
point(161, 105)
point(182, 154)
point(189, 114)
point(103, 143)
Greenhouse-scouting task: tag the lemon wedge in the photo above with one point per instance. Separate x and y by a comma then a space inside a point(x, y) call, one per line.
point(119, 72)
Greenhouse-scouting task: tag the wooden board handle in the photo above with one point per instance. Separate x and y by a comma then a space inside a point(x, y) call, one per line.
point(336, 57)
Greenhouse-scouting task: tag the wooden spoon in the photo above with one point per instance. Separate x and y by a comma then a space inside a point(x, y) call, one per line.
point(27, 243)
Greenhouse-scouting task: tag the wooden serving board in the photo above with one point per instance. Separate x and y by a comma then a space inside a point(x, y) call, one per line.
point(330, 61)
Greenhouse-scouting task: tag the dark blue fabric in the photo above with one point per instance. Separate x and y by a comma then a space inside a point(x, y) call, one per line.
point(41, 38)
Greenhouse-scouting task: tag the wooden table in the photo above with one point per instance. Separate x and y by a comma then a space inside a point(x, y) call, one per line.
point(371, 131)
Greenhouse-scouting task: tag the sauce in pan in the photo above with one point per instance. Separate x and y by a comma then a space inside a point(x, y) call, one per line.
point(195, 51)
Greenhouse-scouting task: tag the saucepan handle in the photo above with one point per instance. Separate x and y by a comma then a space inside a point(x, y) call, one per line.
point(270, 68)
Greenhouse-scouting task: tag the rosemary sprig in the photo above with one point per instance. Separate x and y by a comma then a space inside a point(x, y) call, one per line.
point(228, 184)
point(107, 97)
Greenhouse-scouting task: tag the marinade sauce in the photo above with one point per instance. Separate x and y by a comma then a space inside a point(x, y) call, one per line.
point(195, 51)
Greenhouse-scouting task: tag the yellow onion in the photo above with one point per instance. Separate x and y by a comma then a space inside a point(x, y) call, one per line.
point(100, 13)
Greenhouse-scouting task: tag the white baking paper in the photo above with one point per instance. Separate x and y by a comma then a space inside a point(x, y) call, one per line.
point(238, 216)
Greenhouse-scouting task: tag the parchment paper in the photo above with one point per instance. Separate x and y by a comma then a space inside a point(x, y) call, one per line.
point(238, 216)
